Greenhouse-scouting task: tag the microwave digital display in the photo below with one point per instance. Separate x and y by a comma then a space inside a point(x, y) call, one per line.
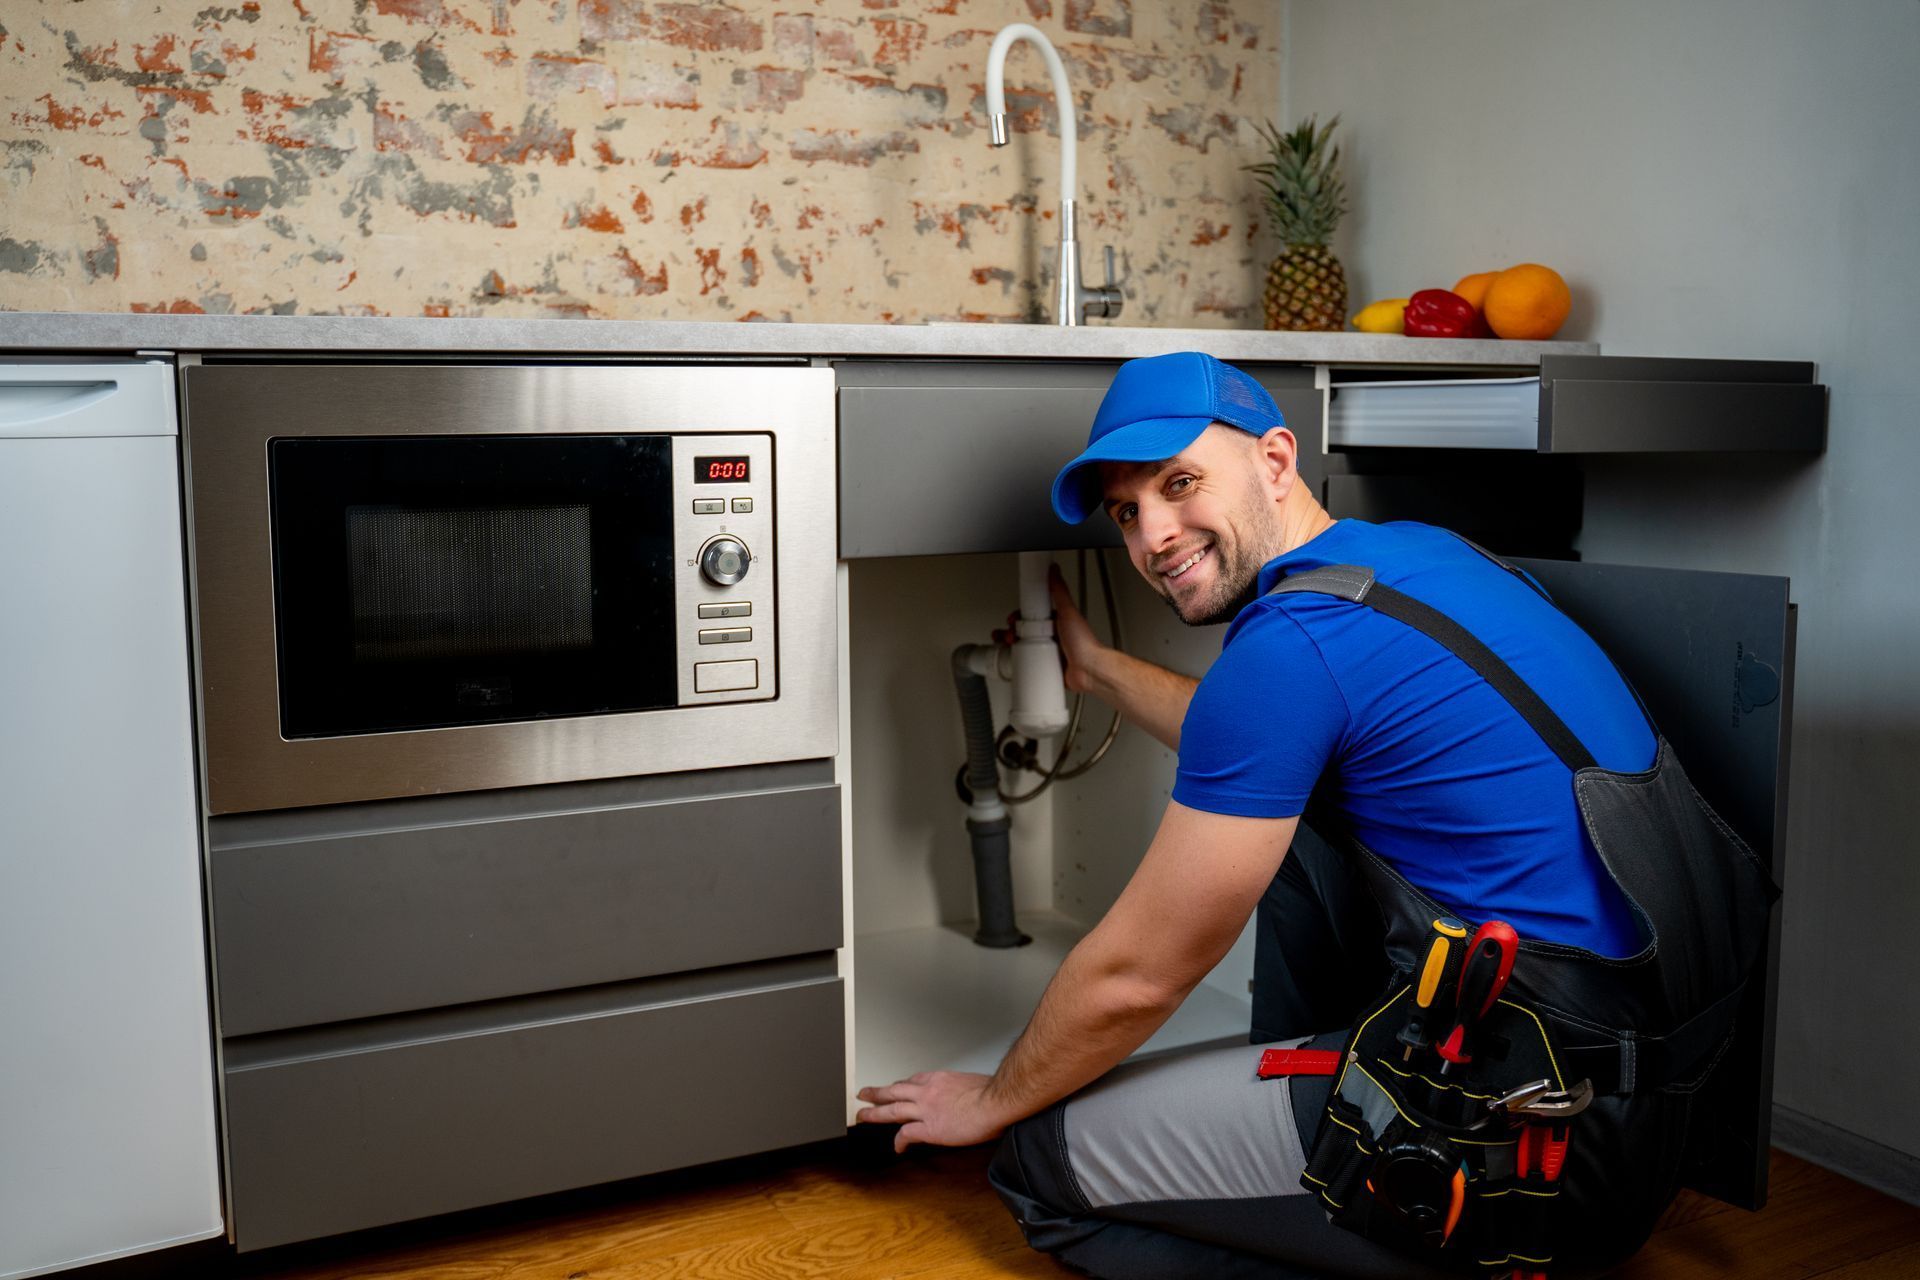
point(731, 470)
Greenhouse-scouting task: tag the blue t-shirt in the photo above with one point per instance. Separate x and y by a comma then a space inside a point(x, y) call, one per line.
point(1433, 769)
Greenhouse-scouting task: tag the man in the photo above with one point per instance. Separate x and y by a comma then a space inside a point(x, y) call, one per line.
point(1190, 1165)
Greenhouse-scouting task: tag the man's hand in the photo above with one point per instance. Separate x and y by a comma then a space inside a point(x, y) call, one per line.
point(1150, 696)
point(1080, 648)
point(944, 1108)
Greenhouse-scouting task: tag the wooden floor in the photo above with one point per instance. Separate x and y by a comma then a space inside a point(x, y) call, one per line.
point(854, 1210)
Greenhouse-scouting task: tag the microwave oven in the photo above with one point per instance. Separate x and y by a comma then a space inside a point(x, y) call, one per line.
point(413, 579)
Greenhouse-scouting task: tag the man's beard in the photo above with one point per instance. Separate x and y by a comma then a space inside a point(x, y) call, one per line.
point(1238, 580)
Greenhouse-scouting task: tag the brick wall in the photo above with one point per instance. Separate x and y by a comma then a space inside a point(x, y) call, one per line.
point(820, 160)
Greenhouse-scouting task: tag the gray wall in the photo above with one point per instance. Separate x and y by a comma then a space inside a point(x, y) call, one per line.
point(1723, 178)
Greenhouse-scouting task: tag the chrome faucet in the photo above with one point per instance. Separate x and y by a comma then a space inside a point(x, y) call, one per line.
point(1073, 301)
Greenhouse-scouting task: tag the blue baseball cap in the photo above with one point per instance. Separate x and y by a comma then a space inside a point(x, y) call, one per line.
point(1156, 407)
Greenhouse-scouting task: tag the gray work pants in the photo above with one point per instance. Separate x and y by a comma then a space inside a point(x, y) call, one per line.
point(1188, 1165)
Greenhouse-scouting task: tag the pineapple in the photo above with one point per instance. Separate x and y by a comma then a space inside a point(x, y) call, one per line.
point(1306, 285)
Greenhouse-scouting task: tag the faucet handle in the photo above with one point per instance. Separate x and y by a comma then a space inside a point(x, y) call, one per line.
point(1107, 300)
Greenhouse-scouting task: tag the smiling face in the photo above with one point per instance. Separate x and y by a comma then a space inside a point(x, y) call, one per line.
point(1200, 525)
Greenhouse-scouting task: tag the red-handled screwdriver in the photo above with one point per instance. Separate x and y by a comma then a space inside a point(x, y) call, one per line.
point(1483, 976)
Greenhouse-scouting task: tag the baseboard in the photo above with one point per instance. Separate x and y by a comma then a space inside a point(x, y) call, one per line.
point(1865, 1161)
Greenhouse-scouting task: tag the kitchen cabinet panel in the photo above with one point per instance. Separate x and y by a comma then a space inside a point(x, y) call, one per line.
point(945, 458)
point(1711, 656)
point(323, 915)
point(405, 1118)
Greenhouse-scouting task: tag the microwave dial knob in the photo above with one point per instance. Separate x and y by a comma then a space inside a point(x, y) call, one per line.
point(723, 561)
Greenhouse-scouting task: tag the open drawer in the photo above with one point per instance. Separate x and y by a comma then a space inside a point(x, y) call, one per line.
point(1588, 404)
point(355, 1126)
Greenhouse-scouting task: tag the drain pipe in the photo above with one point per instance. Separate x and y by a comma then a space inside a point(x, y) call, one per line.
point(989, 825)
point(1039, 693)
point(1039, 711)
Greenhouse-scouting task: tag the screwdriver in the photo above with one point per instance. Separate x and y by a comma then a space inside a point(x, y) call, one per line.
point(1483, 976)
point(1433, 994)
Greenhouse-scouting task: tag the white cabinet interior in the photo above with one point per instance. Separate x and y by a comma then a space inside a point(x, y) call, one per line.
point(925, 996)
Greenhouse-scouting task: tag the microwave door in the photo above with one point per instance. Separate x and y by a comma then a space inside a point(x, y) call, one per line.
point(427, 582)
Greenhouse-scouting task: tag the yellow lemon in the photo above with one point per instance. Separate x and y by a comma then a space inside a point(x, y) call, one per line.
point(1389, 315)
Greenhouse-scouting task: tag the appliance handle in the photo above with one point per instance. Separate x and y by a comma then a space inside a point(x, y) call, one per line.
point(71, 401)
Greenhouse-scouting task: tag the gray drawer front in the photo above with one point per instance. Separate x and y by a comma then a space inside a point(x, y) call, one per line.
point(959, 457)
point(472, 901)
point(342, 1140)
point(1638, 404)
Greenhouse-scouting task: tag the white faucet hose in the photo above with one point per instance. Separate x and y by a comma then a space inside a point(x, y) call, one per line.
point(1062, 95)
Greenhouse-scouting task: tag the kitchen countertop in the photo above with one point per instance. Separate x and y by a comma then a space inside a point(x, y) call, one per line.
point(129, 332)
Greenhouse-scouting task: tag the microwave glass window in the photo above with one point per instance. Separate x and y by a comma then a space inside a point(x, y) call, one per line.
point(437, 581)
point(460, 584)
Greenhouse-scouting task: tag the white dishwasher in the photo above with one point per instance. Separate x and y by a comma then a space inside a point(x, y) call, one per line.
point(107, 1129)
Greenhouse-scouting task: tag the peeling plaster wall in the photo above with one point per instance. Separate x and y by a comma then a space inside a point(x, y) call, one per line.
point(818, 160)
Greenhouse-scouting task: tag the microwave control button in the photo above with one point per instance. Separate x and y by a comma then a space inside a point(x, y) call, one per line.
point(743, 506)
point(731, 609)
point(726, 635)
point(725, 677)
point(709, 506)
point(723, 561)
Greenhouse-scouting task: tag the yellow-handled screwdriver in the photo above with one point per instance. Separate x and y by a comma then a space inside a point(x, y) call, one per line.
point(1430, 1004)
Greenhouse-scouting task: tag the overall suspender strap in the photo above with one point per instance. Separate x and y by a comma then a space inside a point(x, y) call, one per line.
point(1357, 584)
point(1527, 579)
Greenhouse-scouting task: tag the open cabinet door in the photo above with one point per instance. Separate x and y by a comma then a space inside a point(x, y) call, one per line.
point(1711, 654)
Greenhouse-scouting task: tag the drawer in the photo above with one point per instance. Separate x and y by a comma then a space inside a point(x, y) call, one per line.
point(1459, 413)
point(1588, 405)
point(942, 458)
point(1632, 404)
point(323, 915)
point(405, 1118)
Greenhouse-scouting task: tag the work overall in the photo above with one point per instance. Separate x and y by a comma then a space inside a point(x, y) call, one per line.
point(1645, 1030)
point(1099, 1181)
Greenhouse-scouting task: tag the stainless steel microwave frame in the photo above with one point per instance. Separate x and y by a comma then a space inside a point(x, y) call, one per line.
point(233, 412)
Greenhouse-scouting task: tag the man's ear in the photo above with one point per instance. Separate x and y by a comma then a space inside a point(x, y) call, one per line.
point(1279, 456)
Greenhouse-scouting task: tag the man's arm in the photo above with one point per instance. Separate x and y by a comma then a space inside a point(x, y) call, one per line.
point(1151, 696)
point(1183, 908)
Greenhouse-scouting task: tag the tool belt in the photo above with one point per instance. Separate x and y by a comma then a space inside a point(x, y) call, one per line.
point(1636, 1036)
point(1416, 1153)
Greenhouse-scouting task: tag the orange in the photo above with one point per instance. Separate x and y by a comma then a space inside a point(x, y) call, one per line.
point(1474, 288)
point(1528, 301)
